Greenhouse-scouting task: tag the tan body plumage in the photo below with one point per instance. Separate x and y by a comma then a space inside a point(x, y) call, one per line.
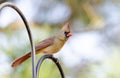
point(48, 46)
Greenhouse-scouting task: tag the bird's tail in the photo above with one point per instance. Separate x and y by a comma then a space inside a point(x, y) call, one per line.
point(20, 60)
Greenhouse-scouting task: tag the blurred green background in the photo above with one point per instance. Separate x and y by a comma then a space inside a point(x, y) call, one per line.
point(92, 52)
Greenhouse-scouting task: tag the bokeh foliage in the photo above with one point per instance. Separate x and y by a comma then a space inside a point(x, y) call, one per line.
point(14, 43)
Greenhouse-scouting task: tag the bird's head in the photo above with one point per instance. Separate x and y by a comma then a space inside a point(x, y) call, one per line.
point(65, 32)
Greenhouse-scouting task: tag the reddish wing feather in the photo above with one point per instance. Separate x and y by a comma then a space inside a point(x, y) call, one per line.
point(45, 43)
point(41, 45)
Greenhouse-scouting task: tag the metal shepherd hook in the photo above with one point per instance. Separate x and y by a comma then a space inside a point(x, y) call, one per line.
point(55, 60)
point(8, 4)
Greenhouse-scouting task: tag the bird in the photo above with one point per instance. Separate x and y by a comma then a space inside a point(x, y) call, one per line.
point(48, 46)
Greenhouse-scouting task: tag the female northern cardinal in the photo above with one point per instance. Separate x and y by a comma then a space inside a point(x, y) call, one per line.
point(48, 46)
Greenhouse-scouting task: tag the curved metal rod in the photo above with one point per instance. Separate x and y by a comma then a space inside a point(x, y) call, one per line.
point(7, 4)
point(55, 60)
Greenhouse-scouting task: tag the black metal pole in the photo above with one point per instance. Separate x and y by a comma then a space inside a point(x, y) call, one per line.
point(8, 4)
point(55, 60)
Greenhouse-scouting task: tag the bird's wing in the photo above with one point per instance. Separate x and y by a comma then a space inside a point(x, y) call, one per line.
point(45, 43)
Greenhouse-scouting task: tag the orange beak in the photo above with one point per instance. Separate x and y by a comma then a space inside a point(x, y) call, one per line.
point(69, 34)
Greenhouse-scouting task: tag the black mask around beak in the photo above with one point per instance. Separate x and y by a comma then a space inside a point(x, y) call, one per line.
point(67, 34)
